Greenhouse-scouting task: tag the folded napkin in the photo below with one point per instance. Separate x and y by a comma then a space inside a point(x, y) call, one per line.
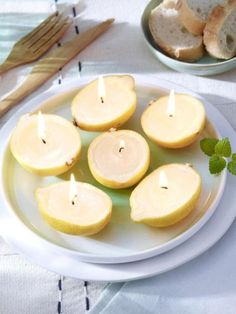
point(204, 286)
point(26, 288)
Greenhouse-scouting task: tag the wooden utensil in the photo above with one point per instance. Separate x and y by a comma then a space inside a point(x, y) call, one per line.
point(49, 65)
point(36, 43)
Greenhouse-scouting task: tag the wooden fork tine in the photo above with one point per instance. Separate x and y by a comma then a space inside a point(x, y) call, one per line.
point(53, 39)
point(22, 53)
point(40, 39)
point(36, 34)
point(38, 28)
point(41, 33)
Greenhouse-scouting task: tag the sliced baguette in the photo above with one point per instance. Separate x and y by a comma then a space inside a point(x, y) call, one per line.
point(169, 33)
point(220, 31)
point(194, 14)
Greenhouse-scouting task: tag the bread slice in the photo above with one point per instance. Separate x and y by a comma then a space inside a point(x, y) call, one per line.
point(170, 34)
point(194, 14)
point(220, 31)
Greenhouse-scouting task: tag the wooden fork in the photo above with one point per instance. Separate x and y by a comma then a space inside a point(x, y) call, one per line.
point(50, 64)
point(37, 42)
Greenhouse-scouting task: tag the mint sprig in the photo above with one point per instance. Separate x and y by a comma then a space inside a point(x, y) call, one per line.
point(208, 145)
point(219, 151)
point(223, 148)
point(232, 167)
point(216, 164)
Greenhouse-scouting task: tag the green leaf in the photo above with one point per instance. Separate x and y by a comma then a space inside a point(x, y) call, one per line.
point(216, 164)
point(232, 167)
point(234, 157)
point(223, 148)
point(208, 145)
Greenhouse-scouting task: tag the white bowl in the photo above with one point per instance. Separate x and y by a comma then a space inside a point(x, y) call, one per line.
point(205, 66)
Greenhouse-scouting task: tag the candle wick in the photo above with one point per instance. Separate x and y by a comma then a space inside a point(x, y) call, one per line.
point(170, 115)
point(44, 142)
point(164, 187)
point(120, 149)
point(73, 201)
point(102, 100)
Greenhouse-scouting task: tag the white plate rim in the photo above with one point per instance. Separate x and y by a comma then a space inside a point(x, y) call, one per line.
point(150, 81)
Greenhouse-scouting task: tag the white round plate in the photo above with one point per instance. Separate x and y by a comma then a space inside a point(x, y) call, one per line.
point(67, 264)
point(207, 65)
point(122, 241)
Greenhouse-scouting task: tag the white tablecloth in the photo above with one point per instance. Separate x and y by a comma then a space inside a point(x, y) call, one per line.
point(26, 288)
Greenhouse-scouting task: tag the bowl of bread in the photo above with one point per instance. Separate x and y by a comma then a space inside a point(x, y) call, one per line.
point(193, 36)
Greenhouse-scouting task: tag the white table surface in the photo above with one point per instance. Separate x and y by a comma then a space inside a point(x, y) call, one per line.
point(24, 287)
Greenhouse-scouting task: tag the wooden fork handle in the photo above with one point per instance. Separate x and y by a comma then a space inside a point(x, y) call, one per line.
point(5, 66)
point(50, 65)
point(27, 87)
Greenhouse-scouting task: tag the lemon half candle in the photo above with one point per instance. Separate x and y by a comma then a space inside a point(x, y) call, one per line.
point(165, 196)
point(75, 208)
point(174, 121)
point(105, 103)
point(119, 159)
point(45, 144)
